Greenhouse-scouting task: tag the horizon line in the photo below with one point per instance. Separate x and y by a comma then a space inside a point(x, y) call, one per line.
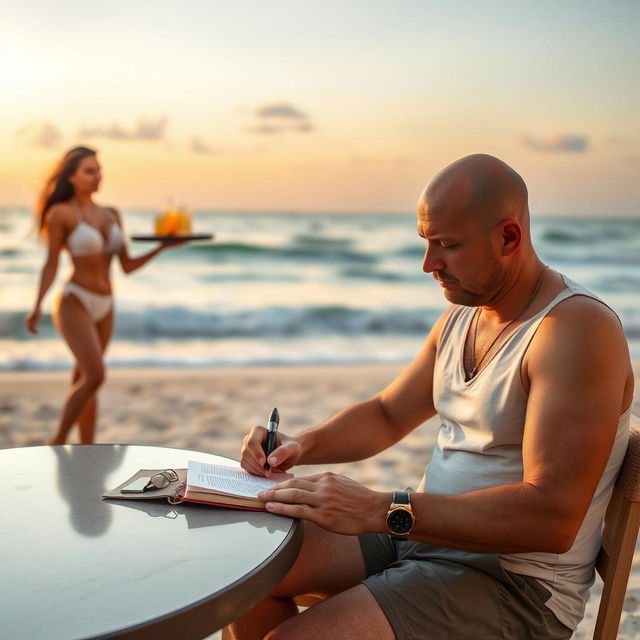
point(336, 212)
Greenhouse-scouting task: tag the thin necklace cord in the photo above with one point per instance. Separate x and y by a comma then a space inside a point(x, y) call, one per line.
point(506, 326)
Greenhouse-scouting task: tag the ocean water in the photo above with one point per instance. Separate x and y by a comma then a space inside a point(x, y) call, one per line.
point(284, 289)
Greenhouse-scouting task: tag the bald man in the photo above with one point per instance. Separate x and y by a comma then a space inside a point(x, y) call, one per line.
point(531, 380)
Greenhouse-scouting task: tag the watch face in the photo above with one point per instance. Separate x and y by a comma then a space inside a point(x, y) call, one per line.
point(400, 521)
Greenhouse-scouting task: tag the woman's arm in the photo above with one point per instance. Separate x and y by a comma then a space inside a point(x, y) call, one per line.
point(130, 264)
point(56, 233)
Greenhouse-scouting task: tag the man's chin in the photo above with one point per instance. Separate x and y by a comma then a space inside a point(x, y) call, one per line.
point(461, 297)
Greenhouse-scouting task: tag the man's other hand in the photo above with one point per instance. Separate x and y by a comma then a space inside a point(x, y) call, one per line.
point(332, 501)
point(252, 458)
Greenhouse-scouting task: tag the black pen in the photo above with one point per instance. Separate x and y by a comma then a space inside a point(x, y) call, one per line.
point(272, 432)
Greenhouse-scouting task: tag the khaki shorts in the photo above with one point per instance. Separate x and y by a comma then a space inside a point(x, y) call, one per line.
point(437, 593)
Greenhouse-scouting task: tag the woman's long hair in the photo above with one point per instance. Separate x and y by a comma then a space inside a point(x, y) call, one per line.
point(58, 188)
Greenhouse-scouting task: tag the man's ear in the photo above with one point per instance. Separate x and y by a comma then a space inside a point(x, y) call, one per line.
point(511, 236)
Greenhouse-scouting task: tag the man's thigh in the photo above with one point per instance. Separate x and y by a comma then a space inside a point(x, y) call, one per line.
point(441, 594)
point(328, 563)
point(353, 614)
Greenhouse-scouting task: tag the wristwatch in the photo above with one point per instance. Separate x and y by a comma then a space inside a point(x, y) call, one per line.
point(400, 518)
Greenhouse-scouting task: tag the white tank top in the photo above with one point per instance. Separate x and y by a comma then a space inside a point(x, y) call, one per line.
point(480, 445)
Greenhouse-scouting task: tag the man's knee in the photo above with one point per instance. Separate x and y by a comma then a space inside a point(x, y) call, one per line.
point(350, 615)
point(328, 563)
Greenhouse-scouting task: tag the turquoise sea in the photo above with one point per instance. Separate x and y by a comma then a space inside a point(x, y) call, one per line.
point(283, 289)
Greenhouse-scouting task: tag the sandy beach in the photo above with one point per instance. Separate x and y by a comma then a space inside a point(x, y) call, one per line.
point(210, 410)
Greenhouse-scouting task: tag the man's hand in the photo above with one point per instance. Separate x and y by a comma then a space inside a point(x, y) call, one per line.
point(286, 454)
point(332, 501)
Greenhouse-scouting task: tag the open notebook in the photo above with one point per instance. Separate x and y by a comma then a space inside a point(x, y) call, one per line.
point(202, 482)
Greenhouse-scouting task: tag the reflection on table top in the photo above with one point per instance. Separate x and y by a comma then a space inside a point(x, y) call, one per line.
point(73, 565)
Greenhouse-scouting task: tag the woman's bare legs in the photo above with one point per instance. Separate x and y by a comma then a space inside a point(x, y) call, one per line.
point(87, 418)
point(86, 343)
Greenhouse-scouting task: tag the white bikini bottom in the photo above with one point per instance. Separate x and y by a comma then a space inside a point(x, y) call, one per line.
point(96, 304)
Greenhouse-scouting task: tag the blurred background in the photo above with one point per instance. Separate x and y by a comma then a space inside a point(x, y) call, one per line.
point(293, 289)
point(301, 134)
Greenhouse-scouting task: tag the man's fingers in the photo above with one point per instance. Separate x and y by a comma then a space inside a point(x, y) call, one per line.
point(314, 477)
point(293, 511)
point(249, 464)
point(297, 483)
point(281, 454)
point(292, 492)
point(254, 441)
point(252, 458)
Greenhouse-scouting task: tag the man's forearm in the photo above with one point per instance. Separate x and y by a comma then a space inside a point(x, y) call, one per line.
point(355, 433)
point(516, 518)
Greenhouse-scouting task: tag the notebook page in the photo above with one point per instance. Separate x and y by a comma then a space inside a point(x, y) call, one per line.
point(232, 481)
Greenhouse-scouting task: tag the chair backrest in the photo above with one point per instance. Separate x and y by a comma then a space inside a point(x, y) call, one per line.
point(619, 536)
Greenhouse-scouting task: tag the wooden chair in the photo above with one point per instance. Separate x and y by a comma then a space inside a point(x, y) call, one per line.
point(619, 536)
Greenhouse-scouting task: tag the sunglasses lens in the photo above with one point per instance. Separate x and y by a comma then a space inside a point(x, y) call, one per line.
point(163, 479)
point(159, 481)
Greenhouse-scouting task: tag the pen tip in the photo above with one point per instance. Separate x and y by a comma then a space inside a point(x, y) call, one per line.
point(274, 417)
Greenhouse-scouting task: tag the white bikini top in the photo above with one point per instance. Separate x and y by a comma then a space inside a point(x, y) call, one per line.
point(86, 239)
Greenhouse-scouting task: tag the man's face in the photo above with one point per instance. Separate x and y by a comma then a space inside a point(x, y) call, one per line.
point(461, 254)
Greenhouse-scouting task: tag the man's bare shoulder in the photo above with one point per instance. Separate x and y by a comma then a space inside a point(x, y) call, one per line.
point(436, 330)
point(581, 312)
point(579, 335)
point(580, 351)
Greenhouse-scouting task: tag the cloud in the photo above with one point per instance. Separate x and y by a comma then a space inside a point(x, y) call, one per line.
point(145, 129)
point(198, 145)
point(559, 143)
point(619, 141)
point(264, 129)
point(43, 134)
point(279, 117)
point(281, 110)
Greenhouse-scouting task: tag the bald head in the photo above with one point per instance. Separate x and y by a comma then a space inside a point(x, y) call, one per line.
point(479, 186)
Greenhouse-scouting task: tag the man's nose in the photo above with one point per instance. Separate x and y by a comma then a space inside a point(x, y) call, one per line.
point(432, 260)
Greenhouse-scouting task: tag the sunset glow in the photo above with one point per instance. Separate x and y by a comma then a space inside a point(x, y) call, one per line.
point(322, 106)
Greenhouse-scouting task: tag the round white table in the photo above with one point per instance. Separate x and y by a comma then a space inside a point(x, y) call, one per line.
point(73, 565)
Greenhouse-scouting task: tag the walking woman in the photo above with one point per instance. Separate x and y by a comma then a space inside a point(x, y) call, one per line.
point(69, 219)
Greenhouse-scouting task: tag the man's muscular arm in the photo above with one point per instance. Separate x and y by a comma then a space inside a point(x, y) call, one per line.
point(576, 370)
point(362, 430)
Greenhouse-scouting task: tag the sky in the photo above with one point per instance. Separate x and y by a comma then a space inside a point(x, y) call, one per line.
point(301, 105)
